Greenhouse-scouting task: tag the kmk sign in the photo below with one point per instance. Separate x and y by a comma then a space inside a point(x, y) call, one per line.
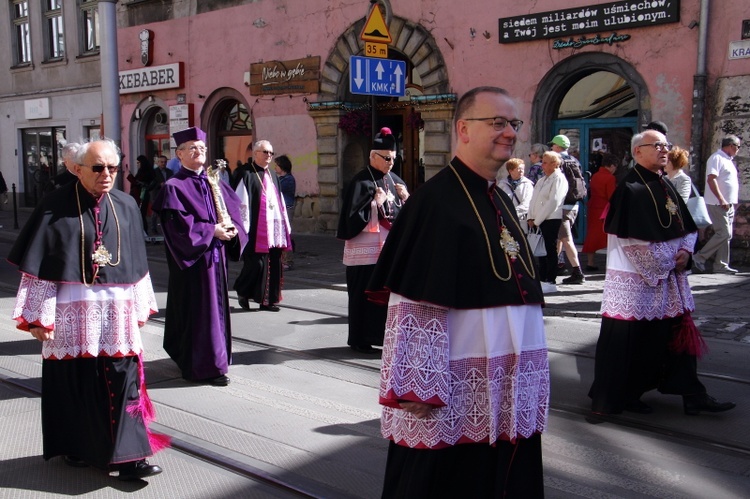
point(153, 78)
point(608, 17)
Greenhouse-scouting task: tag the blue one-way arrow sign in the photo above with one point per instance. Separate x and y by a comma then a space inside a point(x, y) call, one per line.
point(370, 76)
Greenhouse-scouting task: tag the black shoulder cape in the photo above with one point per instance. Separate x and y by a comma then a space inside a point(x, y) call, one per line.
point(355, 208)
point(438, 252)
point(638, 210)
point(49, 245)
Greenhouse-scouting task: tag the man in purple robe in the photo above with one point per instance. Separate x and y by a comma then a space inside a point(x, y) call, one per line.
point(197, 331)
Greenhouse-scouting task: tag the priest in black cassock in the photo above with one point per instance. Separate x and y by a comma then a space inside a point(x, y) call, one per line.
point(371, 204)
point(268, 230)
point(465, 377)
point(85, 291)
point(648, 339)
point(197, 329)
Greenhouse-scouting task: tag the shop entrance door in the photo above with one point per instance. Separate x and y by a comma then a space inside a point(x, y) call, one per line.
point(589, 140)
point(41, 156)
point(156, 145)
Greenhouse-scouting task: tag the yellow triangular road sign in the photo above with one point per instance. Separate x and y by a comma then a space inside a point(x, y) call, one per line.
point(375, 29)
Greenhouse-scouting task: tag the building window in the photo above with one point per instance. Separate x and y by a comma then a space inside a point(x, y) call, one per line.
point(40, 148)
point(235, 133)
point(89, 26)
point(54, 39)
point(22, 36)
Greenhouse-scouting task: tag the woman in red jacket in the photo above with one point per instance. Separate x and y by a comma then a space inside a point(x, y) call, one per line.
point(601, 187)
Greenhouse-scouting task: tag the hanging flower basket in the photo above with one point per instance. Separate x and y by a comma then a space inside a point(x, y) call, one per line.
point(414, 120)
point(357, 122)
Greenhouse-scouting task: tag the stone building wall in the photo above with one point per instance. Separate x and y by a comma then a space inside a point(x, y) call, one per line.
point(732, 116)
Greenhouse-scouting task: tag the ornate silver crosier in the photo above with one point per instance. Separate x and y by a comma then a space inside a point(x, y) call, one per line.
point(212, 173)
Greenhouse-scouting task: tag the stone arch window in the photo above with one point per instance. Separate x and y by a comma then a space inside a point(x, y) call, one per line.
point(621, 92)
point(601, 94)
point(229, 125)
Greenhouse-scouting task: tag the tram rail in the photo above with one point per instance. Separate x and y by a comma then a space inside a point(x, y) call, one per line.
point(654, 429)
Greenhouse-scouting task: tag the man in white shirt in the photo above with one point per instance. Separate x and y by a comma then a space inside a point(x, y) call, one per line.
point(722, 194)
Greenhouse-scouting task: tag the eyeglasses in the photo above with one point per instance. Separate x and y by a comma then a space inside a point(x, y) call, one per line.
point(659, 146)
point(270, 153)
point(499, 123)
point(100, 168)
point(193, 149)
point(387, 159)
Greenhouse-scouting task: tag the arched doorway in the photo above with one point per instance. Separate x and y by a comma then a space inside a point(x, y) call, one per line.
point(149, 133)
point(597, 101)
point(156, 138)
point(421, 120)
point(229, 127)
point(400, 115)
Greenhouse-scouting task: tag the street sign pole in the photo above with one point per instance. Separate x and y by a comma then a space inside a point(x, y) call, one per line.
point(386, 77)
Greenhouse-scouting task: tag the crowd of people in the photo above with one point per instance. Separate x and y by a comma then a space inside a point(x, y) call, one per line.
point(443, 280)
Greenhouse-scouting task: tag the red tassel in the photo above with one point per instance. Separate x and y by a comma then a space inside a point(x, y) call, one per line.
point(688, 339)
point(144, 409)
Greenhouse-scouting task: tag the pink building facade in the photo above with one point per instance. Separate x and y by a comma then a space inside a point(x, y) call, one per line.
point(595, 71)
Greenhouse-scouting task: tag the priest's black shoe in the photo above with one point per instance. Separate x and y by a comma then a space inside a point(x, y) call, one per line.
point(244, 303)
point(638, 407)
point(270, 308)
point(364, 349)
point(222, 380)
point(138, 469)
point(75, 462)
point(694, 404)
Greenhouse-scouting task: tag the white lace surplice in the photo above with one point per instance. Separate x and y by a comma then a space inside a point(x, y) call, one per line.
point(365, 247)
point(88, 321)
point(486, 369)
point(641, 282)
point(278, 228)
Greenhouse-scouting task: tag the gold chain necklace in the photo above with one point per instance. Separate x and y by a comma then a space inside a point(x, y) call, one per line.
point(101, 256)
point(505, 237)
point(670, 205)
point(389, 196)
point(263, 186)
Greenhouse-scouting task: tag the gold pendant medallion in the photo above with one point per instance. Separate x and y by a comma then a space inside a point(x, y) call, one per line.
point(101, 256)
point(509, 245)
point(671, 207)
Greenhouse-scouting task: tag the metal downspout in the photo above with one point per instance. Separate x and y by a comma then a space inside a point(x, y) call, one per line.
point(699, 99)
point(109, 74)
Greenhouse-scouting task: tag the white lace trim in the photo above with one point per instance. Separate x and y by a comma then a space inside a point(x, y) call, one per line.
point(641, 282)
point(484, 398)
point(88, 321)
point(365, 247)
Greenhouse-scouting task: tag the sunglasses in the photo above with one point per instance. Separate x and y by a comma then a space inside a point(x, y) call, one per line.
point(100, 168)
point(270, 153)
point(387, 159)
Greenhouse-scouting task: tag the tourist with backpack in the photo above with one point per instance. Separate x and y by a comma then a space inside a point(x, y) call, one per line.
point(571, 168)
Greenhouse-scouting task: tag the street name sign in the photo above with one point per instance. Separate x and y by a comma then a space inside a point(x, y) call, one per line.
point(384, 77)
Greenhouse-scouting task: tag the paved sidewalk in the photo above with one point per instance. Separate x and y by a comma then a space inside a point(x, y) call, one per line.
point(722, 309)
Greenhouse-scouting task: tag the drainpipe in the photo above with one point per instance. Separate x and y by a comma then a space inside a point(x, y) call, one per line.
point(109, 73)
point(699, 99)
